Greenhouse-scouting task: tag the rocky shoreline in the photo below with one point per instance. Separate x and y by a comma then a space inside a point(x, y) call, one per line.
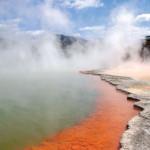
point(137, 135)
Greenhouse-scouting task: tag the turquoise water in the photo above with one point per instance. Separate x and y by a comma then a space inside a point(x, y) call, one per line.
point(34, 106)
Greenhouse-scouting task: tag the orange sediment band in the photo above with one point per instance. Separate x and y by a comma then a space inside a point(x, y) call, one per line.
point(102, 130)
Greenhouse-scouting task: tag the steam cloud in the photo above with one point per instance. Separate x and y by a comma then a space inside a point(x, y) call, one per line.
point(41, 50)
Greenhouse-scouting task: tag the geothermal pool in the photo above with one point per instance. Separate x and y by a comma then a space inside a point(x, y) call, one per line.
point(101, 130)
point(37, 105)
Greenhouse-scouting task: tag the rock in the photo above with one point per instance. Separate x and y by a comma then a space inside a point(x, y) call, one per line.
point(137, 135)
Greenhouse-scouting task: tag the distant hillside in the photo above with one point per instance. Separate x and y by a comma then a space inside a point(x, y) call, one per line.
point(69, 43)
point(66, 40)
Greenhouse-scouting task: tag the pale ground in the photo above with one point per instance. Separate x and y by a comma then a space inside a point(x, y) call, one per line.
point(137, 87)
point(139, 71)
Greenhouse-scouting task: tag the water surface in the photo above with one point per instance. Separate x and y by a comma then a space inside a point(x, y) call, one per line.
point(102, 130)
point(36, 105)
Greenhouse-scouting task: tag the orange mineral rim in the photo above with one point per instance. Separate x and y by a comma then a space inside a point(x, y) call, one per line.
point(102, 130)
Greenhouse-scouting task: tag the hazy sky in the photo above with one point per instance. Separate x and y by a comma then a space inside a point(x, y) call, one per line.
point(76, 17)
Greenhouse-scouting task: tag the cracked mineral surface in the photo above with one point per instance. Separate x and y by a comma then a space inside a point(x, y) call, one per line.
point(137, 135)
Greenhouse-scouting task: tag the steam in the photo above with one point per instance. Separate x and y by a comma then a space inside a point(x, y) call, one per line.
point(41, 50)
point(27, 50)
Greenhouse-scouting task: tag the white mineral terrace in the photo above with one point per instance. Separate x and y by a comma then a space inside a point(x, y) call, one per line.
point(137, 135)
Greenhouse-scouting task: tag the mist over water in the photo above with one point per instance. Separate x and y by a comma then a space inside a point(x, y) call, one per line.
point(36, 106)
point(41, 50)
point(40, 91)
